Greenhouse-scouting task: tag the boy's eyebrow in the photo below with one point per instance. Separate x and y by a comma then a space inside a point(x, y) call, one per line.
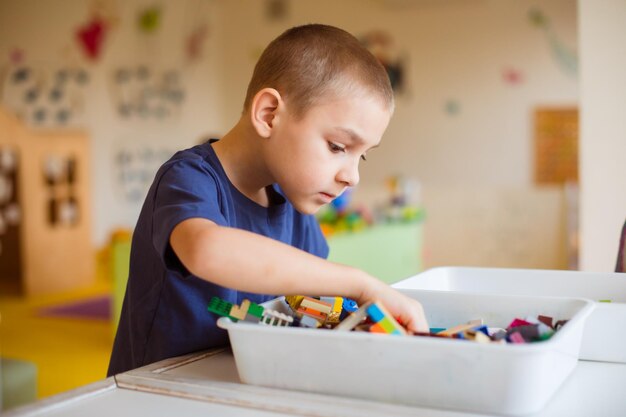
point(354, 136)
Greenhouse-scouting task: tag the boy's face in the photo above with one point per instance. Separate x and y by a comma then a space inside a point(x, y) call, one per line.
point(316, 157)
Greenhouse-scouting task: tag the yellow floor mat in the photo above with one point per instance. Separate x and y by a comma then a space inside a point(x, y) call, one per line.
point(68, 352)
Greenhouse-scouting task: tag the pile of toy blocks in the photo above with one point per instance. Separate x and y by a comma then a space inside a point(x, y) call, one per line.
point(343, 314)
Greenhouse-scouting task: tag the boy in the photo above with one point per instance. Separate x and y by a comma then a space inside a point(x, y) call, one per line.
point(234, 218)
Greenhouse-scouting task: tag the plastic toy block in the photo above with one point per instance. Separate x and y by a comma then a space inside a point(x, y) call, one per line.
point(518, 322)
point(350, 305)
point(255, 310)
point(377, 328)
point(546, 320)
point(240, 311)
point(294, 301)
point(516, 338)
point(499, 334)
point(307, 321)
point(275, 318)
point(377, 313)
point(338, 306)
point(313, 304)
point(386, 324)
point(456, 329)
point(220, 307)
point(437, 329)
point(482, 329)
point(353, 319)
point(481, 337)
point(560, 324)
point(328, 300)
point(381, 328)
point(604, 301)
point(312, 313)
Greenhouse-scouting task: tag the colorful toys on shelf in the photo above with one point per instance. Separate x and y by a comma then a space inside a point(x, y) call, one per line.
point(403, 203)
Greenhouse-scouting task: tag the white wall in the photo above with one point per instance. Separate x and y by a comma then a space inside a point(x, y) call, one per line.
point(603, 131)
point(45, 31)
point(455, 50)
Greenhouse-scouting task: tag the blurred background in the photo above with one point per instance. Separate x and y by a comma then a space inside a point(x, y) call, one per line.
point(504, 150)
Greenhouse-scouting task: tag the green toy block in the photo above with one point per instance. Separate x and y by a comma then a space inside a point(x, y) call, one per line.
point(221, 308)
point(256, 310)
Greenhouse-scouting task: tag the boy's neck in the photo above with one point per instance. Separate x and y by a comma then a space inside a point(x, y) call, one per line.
point(239, 153)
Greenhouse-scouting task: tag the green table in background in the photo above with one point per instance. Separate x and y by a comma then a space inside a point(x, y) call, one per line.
point(390, 252)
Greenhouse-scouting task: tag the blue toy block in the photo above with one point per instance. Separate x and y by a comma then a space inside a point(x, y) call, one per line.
point(375, 313)
point(350, 305)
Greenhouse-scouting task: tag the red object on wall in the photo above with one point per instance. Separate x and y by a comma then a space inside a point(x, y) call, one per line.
point(91, 36)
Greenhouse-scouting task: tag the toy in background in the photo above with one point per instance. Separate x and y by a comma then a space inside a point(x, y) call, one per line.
point(46, 96)
point(403, 202)
point(401, 205)
point(338, 217)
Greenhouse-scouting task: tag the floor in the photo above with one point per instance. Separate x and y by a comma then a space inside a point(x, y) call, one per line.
point(68, 352)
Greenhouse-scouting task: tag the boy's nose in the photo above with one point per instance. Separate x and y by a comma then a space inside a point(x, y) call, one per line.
point(349, 175)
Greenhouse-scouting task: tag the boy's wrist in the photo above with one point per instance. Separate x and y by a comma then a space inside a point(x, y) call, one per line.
point(366, 287)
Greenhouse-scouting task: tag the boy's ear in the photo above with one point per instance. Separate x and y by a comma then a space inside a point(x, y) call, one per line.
point(264, 109)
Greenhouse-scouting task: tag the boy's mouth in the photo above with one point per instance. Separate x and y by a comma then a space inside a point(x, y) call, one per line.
point(327, 197)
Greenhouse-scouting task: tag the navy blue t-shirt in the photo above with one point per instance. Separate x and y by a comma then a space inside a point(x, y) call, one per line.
point(165, 307)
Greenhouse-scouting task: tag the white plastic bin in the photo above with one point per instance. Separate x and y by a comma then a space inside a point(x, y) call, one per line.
point(604, 338)
point(432, 372)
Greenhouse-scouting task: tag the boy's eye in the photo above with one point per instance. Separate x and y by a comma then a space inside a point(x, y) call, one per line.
point(363, 157)
point(336, 148)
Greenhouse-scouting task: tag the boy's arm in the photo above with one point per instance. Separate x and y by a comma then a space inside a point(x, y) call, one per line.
point(250, 262)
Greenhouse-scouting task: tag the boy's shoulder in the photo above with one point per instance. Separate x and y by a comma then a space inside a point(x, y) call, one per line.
point(198, 157)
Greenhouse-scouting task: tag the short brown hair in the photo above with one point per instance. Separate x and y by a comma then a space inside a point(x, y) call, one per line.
point(308, 62)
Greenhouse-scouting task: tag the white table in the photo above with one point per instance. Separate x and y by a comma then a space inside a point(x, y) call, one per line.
point(204, 384)
point(207, 384)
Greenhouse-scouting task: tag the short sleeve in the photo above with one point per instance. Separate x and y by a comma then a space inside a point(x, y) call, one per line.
point(186, 189)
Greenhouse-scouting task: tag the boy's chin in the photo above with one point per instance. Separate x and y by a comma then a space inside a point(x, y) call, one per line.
point(307, 208)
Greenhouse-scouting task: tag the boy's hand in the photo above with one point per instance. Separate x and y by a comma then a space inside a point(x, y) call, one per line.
point(404, 309)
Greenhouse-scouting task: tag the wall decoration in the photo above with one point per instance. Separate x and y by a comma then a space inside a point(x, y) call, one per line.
point(149, 19)
point(556, 146)
point(16, 56)
point(195, 42)
point(566, 57)
point(134, 167)
point(452, 107)
point(276, 10)
point(47, 97)
point(381, 45)
point(142, 92)
point(91, 36)
point(512, 76)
